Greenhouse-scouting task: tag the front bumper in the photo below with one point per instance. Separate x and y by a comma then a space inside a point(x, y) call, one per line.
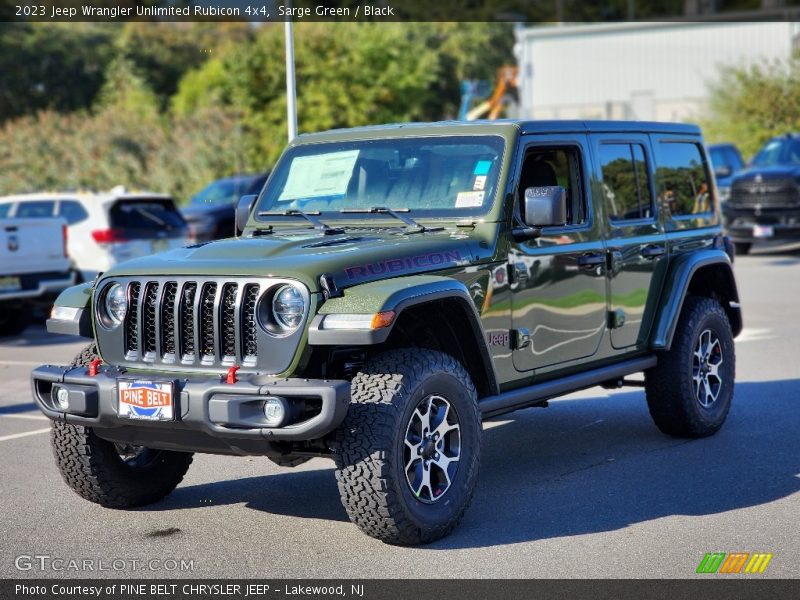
point(210, 415)
point(740, 224)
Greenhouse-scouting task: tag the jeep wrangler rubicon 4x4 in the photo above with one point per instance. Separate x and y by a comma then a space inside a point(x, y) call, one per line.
point(390, 288)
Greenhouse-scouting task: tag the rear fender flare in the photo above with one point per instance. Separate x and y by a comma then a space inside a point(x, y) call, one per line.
point(680, 280)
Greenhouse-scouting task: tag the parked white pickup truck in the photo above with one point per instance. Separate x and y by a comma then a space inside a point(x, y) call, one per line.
point(34, 266)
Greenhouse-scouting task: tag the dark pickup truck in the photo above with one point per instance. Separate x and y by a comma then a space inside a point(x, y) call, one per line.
point(764, 202)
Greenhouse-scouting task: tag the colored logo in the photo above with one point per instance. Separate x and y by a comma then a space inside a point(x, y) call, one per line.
point(145, 399)
point(735, 562)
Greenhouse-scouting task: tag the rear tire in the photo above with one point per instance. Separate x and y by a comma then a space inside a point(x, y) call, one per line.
point(109, 474)
point(689, 391)
point(742, 248)
point(408, 452)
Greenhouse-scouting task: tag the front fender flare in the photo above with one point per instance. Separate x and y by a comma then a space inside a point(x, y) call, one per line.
point(397, 295)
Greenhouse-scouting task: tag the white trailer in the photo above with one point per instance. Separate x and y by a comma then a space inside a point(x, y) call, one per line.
point(639, 71)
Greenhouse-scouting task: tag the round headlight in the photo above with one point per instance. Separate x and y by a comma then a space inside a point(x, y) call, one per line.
point(116, 303)
point(288, 307)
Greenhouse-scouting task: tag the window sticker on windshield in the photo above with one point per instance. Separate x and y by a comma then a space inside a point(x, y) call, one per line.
point(482, 167)
point(469, 199)
point(319, 175)
point(480, 182)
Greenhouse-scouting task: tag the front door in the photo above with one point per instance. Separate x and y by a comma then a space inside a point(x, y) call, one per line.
point(635, 238)
point(558, 280)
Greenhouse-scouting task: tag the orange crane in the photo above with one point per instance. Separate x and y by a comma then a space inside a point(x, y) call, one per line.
point(506, 83)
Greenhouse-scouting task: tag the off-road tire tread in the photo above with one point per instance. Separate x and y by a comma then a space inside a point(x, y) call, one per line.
point(672, 411)
point(90, 466)
point(364, 473)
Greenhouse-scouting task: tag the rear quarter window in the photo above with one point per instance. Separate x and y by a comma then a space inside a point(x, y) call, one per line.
point(72, 211)
point(682, 177)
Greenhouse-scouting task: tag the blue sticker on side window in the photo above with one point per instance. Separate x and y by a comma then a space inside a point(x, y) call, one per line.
point(482, 167)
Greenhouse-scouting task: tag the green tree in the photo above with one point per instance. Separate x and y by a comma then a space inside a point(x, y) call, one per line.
point(749, 105)
point(56, 66)
point(164, 52)
point(347, 75)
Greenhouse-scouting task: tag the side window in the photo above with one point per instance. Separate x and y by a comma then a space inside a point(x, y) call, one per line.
point(555, 166)
point(682, 177)
point(35, 210)
point(72, 211)
point(625, 182)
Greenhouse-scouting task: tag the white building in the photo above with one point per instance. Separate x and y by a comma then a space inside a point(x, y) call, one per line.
point(644, 71)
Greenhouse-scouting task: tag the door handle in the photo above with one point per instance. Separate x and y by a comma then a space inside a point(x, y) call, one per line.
point(591, 260)
point(653, 251)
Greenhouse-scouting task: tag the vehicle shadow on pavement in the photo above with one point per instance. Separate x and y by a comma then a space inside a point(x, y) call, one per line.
point(580, 466)
point(10, 409)
point(310, 494)
point(588, 466)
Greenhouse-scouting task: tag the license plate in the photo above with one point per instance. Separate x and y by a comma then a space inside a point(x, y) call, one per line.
point(763, 231)
point(10, 284)
point(146, 400)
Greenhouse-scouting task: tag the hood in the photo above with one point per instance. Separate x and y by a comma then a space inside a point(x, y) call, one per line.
point(351, 258)
point(767, 173)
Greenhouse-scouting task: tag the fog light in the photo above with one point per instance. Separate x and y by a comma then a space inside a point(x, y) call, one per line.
point(62, 398)
point(275, 411)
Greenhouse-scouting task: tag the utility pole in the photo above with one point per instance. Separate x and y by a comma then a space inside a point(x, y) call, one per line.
point(291, 93)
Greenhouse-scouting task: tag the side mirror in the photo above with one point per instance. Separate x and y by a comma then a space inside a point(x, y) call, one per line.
point(723, 171)
point(545, 206)
point(243, 210)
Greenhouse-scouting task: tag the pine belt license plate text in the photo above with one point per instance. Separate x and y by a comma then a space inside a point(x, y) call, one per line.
point(763, 231)
point(147, 400)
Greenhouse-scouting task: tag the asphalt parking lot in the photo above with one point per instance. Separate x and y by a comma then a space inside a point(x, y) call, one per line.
point(586, 488)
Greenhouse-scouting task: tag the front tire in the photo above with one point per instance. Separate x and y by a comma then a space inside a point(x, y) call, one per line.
point(115, 475)
point(689, 391)
point(109, 474)
point(408, 452)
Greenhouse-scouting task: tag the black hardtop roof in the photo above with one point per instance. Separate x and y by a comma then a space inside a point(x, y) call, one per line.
point(529, 127)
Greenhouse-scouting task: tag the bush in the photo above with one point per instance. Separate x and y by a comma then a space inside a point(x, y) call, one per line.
point(749, 105)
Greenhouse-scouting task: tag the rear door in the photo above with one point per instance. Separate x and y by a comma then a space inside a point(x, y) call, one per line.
point(635, 240)
point(558, 280)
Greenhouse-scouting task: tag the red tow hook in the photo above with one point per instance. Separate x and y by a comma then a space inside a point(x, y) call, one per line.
point(94, 366)
point(230, 378)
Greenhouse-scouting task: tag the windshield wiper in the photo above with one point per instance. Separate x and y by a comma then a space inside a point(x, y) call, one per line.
point(308, 216)
point(393, 212)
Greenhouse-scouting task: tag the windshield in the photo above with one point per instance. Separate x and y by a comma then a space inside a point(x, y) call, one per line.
point(784, 151)
point(434, 176)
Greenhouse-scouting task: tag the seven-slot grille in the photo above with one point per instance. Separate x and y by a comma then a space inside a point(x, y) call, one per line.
point(192, 322)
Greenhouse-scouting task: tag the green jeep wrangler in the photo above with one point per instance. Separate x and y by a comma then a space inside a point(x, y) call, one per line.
point(390, 288)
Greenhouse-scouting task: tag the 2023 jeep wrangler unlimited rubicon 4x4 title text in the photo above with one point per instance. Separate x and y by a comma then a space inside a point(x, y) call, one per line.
point(392, 286)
